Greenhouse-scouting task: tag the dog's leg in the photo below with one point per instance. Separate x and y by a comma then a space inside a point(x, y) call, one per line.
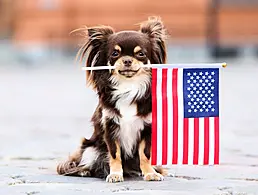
point(145, 152)
point(115, 161)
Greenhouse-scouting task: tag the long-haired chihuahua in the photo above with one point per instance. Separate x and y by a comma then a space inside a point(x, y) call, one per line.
point(121, 141)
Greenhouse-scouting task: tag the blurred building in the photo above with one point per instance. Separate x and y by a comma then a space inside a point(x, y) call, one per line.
point(52, 20)
point(224, 22)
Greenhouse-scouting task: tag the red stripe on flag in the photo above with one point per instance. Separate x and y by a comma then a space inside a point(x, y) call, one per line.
point(206, 141)
point(216, 140)
point(154, 117)
point(196, 141)
point(186, 140)
point(175, 115)
point(164, 117)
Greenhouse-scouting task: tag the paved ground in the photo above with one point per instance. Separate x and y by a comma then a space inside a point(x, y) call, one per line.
point(45, 110)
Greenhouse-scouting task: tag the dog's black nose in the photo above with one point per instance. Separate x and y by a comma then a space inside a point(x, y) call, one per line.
point(127, 62)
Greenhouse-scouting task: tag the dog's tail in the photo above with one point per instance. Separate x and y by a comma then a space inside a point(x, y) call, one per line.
point(71, 165)
point(67, 168)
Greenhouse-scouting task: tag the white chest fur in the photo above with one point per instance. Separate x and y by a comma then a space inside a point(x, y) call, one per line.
point(130, 128)
point(130, 124)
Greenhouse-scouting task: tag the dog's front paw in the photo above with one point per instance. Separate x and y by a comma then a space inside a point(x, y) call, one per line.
point(153, 177)
point(115, 177)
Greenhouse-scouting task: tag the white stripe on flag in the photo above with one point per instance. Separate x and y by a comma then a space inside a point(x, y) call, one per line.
point(191, 141)
point(212, 142)
point(201, 141)
point(170, 117)
point(180, 116)
point(159, 116)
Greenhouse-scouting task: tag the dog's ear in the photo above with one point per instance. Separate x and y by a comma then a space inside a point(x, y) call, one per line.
point(156, 31)
point(95, 39)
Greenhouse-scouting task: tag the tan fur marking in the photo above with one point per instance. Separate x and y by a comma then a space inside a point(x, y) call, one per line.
point(137, 49)
point(116, 170)
point(116, 164)
point(145, 164)
point(117, 47)
point(148, 171)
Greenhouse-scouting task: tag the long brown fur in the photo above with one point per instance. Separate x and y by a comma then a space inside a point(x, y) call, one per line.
point(156, 30)
point(98, 35)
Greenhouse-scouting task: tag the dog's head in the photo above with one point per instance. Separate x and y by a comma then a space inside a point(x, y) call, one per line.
point(128, 51)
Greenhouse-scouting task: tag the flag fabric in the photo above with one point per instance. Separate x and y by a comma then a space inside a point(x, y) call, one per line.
point(185, 116)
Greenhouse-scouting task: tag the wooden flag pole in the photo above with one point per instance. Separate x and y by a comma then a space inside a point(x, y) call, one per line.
point(197, 65)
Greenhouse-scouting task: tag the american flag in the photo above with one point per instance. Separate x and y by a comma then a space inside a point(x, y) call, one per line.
point(185, 116)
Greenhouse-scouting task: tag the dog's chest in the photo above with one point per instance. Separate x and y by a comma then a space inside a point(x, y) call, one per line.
point(130, 127)
point(130, 124)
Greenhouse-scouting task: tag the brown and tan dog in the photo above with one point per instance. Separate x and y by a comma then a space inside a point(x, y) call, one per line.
point(121, 142)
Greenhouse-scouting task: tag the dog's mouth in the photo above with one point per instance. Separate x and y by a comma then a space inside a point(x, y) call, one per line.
point(128, 73)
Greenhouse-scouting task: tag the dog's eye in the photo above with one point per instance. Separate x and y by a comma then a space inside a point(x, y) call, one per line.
point(115, 53)
point(141, 54)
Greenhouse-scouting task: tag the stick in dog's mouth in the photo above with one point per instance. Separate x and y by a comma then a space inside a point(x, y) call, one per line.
point(112, 67)
point(197, 65)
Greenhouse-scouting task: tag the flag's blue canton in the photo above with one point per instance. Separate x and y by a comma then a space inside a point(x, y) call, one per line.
point(201, 92)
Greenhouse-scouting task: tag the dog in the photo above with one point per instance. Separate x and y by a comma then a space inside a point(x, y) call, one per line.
point(121, 142)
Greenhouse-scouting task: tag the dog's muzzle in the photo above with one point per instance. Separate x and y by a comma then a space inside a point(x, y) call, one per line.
point(128, 66)
point(128, 72)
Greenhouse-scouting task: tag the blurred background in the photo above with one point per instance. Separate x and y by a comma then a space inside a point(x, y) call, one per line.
point(39, 29)
point(45, 106)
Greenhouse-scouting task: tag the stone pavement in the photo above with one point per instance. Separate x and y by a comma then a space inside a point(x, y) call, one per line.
point(45, 110)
